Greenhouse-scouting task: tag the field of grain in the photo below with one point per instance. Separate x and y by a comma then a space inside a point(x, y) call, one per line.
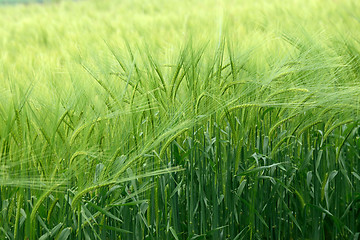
point(164, 119)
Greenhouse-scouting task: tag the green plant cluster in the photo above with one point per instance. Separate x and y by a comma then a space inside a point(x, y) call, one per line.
point(180, 120)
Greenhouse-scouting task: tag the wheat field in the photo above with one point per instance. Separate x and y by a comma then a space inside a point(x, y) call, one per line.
point(164, 119)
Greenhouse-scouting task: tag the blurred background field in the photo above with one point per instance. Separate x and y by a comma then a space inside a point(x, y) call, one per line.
point(164, 119)
point(23, 1)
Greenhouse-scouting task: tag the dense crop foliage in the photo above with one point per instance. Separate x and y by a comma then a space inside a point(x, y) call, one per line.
point(180, 120)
